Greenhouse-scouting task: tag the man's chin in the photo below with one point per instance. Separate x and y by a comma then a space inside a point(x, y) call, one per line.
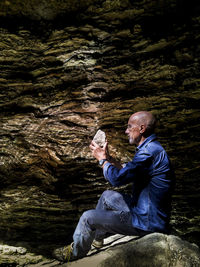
point(131, 141)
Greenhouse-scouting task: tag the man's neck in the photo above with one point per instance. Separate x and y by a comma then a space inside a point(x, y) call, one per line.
point(141, 140)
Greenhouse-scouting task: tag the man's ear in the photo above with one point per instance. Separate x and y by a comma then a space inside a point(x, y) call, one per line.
point(142, 128)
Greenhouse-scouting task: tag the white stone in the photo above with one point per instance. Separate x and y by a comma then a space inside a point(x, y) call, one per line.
point(100, 138)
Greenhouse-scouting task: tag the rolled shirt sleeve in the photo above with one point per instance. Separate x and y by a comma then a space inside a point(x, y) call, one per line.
point(105, 170)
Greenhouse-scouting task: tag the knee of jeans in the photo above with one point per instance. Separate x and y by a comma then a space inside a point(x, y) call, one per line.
point(88, 218)
point(107, 194)
point(111, 195)
point(87, 215)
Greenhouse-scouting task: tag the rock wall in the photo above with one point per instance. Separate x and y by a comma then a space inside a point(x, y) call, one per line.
point(66, 73)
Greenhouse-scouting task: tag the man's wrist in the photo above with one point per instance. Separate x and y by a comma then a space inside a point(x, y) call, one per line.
point(102, 161)
point(105, 163)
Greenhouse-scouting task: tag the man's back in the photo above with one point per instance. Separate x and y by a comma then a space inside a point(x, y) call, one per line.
point(153, 204)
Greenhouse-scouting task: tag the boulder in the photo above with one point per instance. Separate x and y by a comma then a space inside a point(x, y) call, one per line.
point(152, 250)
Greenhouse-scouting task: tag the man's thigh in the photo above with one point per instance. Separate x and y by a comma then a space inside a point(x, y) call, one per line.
point(115, 222)
point(113, 200)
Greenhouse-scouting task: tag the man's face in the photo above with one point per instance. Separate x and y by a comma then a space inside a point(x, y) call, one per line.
point(133, 131)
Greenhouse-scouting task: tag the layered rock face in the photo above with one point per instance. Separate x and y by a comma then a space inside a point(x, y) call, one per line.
point(72, 70)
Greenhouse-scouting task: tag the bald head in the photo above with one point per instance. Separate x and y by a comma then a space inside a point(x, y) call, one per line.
point(144, 118)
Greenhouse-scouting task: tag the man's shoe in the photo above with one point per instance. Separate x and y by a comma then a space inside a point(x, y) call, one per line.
point(97, 243)
point(64, 254)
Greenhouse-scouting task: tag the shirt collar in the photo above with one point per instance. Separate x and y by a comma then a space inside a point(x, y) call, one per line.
point(146, 141)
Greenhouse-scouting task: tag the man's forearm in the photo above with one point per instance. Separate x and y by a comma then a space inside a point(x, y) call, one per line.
point(114, 162)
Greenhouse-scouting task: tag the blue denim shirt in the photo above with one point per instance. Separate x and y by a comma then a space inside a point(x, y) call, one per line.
point(152, 178)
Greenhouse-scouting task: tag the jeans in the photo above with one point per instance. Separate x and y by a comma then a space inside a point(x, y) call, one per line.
point(112, 215)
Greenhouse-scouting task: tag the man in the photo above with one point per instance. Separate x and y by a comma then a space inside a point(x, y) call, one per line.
point(146, 211)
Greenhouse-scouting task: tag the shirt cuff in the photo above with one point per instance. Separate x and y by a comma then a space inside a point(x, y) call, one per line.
point(124, 165)
point(105, 170)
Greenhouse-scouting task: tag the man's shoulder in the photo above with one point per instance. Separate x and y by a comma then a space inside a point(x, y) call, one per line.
point(151, 147)
point(154, 147)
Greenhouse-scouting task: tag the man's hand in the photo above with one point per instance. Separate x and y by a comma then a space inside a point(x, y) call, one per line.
point(99, 152)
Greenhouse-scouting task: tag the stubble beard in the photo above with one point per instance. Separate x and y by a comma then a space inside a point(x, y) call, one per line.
point(131, 141)
point(134, 141)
